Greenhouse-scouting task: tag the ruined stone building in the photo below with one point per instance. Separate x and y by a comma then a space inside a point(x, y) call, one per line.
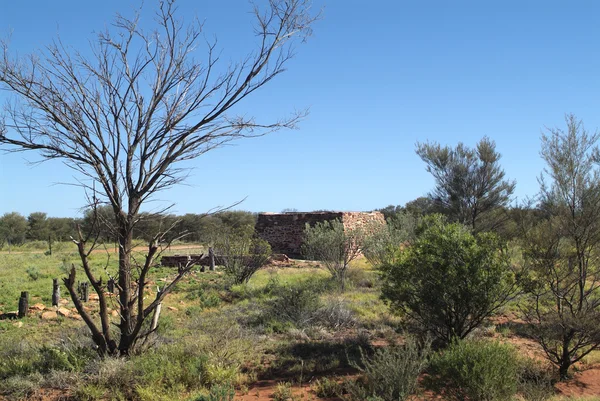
point(284, 231)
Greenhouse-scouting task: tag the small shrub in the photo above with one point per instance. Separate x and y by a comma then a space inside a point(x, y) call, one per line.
point(391, 373)
point(283, 392)
point(34, 273)
point(327, 388)
point(242, 256)
point(218, 393)
point(360, 278)
point(17, 359)
point(536, 380)
point(21, 387)
point(475, 370)
point(336, 314)
point(295, 304)
point(334, 246)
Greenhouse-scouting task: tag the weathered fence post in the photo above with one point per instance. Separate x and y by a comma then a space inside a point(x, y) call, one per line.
point(24, 304)
point(156, 315)
point(55, 292)
point(110, 285)
point(211, 259)
point(85, 295)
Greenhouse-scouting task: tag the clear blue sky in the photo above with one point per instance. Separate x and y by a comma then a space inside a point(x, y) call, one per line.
point(378, 76)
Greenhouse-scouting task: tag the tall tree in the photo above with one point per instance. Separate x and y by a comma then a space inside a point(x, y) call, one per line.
point(128, 115)
point(564, 248)
point(13, 228)
point(470, 185)
point(38, 228)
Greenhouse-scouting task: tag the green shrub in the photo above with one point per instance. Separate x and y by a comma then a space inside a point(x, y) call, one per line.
point(218, 393)
point(34, 273)
point(295, 304)
point(449, 281)
point(536, 380)
point(327, 388)
point(242, 256)
point(17, 359)
point(391, 373)
point(476, 371)
point(283, 392)
point(334, 246)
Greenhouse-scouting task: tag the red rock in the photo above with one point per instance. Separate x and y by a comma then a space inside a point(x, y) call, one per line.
point(49, 315)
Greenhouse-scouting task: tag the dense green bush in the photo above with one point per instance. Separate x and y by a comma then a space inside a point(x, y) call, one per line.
point(391, 373)
point(449, 281)
point(475, 371)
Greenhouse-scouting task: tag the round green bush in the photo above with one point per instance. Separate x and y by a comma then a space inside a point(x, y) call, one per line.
point(476, 371)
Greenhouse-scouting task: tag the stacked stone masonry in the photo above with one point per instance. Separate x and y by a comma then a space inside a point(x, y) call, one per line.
point(285, 231)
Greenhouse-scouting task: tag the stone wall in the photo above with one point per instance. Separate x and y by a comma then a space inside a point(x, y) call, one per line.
point(284, 231)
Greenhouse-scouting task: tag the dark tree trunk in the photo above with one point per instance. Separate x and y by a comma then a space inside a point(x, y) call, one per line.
point(125, 290)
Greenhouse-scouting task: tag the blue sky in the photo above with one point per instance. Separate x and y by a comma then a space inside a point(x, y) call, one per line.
point(377, 76)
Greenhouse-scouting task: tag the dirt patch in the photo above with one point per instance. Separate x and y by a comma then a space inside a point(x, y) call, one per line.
point(585, 383)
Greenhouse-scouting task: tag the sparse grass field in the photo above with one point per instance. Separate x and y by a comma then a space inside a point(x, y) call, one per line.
point(288, 334)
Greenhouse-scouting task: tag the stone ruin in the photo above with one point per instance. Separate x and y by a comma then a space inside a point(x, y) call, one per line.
point(285, 231)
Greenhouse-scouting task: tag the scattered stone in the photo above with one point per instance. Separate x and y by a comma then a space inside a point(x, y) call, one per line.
point(76, 317)
point(93, 297)
point(172, 308)
point(39, 307)
point(63, 301)
point(18, 324)
point(63, 312)
point(50, 315)
point(114, 313)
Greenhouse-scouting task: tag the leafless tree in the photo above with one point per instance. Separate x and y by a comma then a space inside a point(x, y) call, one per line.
point(129, 114)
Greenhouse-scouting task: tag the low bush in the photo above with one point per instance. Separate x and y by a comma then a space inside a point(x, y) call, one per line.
point(242, 256)
point(391, 373)
point(295, 304)
point(217, 393)
point(327, 388)
point(283, 392)
point(536, 380)
point(476, 371)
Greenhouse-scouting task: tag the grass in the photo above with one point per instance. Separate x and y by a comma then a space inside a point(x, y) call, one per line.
point(210, 333)
point(212, 336)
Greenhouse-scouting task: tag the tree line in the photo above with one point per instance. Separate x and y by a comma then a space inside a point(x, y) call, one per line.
point(16, 229)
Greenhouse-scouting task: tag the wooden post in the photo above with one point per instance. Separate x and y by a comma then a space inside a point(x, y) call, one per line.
point(211, 259)
point(24, 304)
point(55, 292)
point(49, 245)
point(156, 315)
point(85, 295)
point(110, 285)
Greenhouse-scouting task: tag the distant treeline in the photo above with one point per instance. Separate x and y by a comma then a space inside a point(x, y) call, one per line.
point(16, 229)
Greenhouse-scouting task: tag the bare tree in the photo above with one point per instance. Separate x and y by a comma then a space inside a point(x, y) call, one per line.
point(563, 250)
point(126, 117)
